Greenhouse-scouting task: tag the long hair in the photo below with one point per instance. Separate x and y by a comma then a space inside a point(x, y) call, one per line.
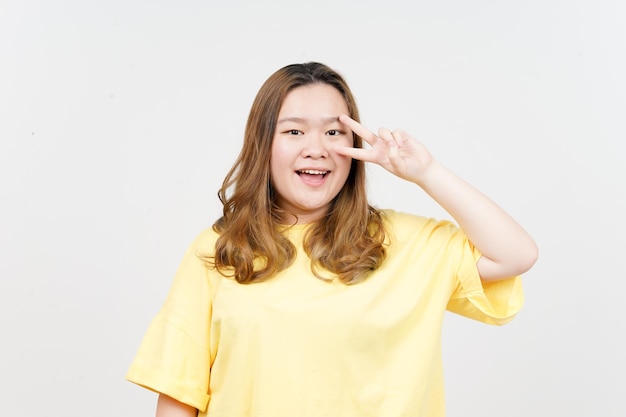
point(347, 242)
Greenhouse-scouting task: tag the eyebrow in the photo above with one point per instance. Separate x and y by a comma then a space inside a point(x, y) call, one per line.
point(303, 120)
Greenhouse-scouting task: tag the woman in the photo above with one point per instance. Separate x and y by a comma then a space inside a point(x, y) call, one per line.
point(304, 300)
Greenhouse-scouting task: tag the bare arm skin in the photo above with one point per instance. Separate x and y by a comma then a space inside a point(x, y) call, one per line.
point(169, 407)
point(508, 250)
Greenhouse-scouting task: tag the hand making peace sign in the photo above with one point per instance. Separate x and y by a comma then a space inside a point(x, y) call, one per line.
point(396, 151)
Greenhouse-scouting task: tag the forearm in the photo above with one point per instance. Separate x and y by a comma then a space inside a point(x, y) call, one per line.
point(169, 407)
point(507, 249)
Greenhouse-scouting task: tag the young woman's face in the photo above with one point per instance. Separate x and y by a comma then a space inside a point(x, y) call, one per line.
point(306, 173)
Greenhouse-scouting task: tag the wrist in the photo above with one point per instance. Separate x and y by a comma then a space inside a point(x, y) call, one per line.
point(431, 176)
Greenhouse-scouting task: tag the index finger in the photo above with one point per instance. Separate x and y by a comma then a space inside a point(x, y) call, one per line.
point(358, 128)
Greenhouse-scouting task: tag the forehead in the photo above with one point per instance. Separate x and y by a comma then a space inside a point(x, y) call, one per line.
point(313, 101)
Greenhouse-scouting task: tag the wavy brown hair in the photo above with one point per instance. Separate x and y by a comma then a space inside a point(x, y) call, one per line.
point(348, 241)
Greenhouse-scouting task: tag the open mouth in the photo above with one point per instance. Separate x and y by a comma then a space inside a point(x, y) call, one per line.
point(313, 172)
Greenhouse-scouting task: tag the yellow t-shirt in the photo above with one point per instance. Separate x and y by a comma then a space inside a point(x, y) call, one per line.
point(295, 345)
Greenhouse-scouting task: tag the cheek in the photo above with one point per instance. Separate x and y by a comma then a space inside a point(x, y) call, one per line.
point(277, 156)
point(345, 163)
point(281, 162)
point(282, 153)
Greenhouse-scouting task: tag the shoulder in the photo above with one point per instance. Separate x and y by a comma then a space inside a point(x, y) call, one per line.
point(395, 218)
point(406, 223)
point(204, 242)
point(412, 229)
point(417, 240)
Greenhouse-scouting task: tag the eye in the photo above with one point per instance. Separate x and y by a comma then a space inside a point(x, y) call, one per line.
point(334, 132)
point(293, 132)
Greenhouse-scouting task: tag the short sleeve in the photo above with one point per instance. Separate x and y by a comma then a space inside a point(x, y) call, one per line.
point(493, 302)
point(174, 356)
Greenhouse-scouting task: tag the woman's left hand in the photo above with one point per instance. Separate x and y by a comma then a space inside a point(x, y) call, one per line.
point(396, 151)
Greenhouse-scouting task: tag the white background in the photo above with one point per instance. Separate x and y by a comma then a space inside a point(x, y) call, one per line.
point(119, 120)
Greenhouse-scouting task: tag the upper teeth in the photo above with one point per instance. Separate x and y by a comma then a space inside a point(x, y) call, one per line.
point(312, 172)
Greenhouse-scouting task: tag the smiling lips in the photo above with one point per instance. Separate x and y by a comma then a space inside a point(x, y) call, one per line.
point(312, 172)
point(312, 176)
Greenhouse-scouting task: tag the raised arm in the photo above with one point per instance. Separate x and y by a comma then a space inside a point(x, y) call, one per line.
point(507, 249)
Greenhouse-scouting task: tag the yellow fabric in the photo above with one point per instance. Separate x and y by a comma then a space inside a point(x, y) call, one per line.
point(298, 346)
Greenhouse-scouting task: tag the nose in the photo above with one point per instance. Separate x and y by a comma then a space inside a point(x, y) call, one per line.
point(314, 146)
